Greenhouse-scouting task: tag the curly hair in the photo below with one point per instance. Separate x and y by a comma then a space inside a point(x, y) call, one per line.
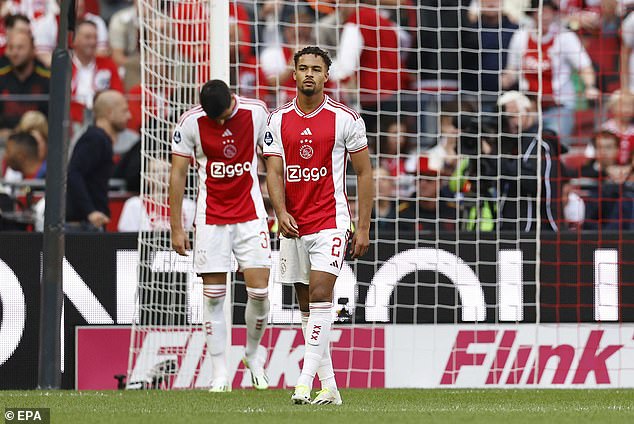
point(317, 52)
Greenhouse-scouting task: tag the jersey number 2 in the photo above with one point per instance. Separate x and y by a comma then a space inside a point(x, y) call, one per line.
point(336, 244)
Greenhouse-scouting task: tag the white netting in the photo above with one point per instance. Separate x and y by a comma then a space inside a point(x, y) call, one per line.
point(463, 184)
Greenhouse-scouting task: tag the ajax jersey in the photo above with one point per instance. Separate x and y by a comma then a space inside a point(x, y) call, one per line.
point(315, 149)
point(226, 159)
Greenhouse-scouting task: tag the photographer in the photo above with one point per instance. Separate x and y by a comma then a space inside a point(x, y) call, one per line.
point(475, 180)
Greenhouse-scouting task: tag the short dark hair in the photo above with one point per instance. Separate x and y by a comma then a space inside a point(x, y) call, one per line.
point(25, 142)
point(11, 20)
point(215, 98)
point(85, 22)
point(544, 3)
point(317, 52)
point(606, 134)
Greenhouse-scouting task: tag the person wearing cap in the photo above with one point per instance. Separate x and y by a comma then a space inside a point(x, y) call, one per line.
point(430, 212)
point(542, 60)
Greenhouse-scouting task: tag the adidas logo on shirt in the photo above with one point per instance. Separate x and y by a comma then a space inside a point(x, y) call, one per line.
point(306, 132)
point(335, 264)
point(227, 133)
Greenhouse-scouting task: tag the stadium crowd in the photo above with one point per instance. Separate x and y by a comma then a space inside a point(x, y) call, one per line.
point(464, 101)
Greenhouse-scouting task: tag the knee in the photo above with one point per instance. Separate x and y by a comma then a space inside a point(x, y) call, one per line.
point(320, 294)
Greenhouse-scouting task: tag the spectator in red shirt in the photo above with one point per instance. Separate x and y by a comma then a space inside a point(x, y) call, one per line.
point(91, 74)
point(369, 51)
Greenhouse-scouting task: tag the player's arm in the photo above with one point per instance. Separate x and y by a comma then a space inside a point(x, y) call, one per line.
point(363, 169)
point(178, 178)
point(275, 184)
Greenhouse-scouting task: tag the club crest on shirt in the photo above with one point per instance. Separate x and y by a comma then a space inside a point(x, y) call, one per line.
point(268, 138)
point(102, 79)
point(177, 137)
point(230, 151)
point(306, 152)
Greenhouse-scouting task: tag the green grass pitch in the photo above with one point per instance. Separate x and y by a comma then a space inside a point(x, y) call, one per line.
point(394, 406)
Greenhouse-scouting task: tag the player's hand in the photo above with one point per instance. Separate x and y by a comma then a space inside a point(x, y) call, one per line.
point(98, 219)
point(360, 243)
point(288, 226)
point(180, 242)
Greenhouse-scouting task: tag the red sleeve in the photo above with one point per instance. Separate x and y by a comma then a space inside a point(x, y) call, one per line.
point(115, 80)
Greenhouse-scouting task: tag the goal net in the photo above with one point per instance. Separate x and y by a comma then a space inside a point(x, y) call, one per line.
point(490, 262)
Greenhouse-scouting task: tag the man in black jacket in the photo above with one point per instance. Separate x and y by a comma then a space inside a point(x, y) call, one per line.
point(527, 154)
point(91, 164)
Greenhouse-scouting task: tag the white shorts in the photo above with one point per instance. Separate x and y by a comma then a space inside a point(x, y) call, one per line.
point(323, 251)
point(249, 242)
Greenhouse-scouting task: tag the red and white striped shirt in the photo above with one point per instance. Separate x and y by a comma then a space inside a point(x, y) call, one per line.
point(226, 159)
point(315, 149)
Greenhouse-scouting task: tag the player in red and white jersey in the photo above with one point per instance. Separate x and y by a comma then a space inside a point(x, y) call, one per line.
point(307, 144)
point(222, 135)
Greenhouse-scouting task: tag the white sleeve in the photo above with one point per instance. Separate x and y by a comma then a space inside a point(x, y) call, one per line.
point(44, 34)
point(575, 53)
point(260, 125)
point(272, 61)
point(355, 138)
point(348, 53)
point(272, 145)
point(517, 46)
point(130, 219)
point(627, 31)
point(183, 139)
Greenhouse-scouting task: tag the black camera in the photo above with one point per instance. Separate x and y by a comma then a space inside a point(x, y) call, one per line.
point(475, 130)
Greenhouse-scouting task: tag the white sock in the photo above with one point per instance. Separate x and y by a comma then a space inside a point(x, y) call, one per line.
point(317, 339)
point(256, 316)
point(325, 371)
point(215, 327)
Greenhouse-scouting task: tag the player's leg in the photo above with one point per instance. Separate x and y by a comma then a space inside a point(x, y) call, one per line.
point(212, 260)
point(295, 269)
point(326, 251)
point(214, 291)
point(253, 253)
point(325, 372)
point(256, 316)
point(319, 324)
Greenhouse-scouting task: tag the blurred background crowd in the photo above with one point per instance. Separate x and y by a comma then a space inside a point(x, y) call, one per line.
point(482, 115)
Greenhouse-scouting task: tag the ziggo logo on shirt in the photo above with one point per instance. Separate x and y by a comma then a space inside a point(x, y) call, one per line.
point(222, 170)
point(295, 173)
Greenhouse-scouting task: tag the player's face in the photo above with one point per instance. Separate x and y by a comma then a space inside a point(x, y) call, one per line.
point(310, 74)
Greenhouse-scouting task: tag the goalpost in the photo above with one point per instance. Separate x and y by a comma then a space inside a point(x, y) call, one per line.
point(460, 287)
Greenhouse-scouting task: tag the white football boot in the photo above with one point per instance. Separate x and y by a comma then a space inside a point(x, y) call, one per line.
point(327, 396)
point(301, 396)
point(220, 385)
point(255, 365)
